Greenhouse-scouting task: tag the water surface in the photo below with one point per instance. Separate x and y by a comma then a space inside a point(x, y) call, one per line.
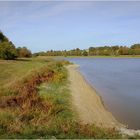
point(117, 81)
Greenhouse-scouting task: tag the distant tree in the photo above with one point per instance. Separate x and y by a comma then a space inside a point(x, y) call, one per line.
point(85, 53)
point(115, 50)
point(23, 52)
point(123, 50)
point(7, 48)
point(35, 54)
point(135, 46)
point(135, 49)
point(78, 52)
point(64, 53)
point(92, 51)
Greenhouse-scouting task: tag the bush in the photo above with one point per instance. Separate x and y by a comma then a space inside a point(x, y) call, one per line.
point(23, 52)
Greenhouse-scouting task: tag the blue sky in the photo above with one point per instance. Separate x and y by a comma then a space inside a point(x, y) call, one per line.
point(63, 25)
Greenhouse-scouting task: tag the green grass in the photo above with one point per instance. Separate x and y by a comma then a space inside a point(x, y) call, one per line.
point(65, 122)
point(11, 71)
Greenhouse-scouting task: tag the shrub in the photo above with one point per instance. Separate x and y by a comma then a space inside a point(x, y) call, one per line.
point(23, 52)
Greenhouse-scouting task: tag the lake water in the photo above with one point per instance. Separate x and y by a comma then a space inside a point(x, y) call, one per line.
point(117, 81)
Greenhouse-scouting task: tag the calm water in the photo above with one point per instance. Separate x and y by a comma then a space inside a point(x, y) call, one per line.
point(117, 81)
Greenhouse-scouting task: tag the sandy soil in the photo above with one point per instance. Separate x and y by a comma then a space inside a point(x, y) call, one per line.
point(87, 102)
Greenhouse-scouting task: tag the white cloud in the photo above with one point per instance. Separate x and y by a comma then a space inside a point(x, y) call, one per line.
point(68, 6)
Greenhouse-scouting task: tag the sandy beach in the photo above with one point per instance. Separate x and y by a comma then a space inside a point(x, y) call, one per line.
point(87, 102)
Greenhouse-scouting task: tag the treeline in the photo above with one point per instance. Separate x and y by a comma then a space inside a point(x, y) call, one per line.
point(115, 50)
point(8, 51)
point(93, 51)
point(74, 52)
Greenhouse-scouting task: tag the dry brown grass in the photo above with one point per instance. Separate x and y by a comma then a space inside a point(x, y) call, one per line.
point(26, 91)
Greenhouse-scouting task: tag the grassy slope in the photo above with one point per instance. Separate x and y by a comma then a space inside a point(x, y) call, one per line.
point(11, 71)
point(40, 110)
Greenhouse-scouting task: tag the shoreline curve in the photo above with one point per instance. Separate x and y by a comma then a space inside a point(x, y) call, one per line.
point(89, 104)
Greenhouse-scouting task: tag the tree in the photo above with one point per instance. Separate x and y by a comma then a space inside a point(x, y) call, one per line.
point(23, 52)
point(78, 52)
point(115, 50)
point(123, 50)
point(135, 46)
point(1, 37)
point(85, 53)
point(135, 49)
point(7, 48)
point(92, 51)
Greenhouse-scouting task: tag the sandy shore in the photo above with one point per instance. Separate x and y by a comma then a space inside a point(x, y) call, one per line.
point(87, 102)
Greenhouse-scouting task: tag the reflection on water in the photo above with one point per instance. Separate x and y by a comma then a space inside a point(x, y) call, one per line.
point(118, 82)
